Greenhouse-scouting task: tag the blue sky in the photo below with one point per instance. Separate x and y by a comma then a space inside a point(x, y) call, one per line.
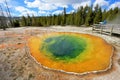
point(47, 7)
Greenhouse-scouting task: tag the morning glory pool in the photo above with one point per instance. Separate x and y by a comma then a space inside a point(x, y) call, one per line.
point(71, 52)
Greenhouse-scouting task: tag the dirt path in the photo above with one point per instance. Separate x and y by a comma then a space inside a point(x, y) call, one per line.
point(17, 64)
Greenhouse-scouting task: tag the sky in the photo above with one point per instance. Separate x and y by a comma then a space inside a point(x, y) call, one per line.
point(50, 7)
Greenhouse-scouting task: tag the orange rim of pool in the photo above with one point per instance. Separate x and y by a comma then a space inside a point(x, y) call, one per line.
point(71, 52)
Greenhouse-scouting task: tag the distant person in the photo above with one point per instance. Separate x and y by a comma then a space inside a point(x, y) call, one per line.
point(103, 23)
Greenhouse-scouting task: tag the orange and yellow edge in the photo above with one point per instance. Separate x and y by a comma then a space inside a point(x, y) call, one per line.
point(98, 58)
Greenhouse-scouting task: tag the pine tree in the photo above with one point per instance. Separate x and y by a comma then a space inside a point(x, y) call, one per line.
point(110, 15)
point(73, 18)
point(53, 19)
point(23, 21)
point(58, 19)
point(78, 17)
point(104, 15)
point(89, 17)
point(95, 12)
point(98, 16)
point(84, 13)
point(50, 20)
point(29, 20)
point(96, 8)
point(64, 16)
point(113, 14)
point(83, 16)
point(47, 21)
point(68, 19)
point(38, 21)
point(116, 10)
point(33, 20)
point(16, 23)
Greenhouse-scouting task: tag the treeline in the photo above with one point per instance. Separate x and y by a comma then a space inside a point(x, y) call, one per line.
point(82, 16)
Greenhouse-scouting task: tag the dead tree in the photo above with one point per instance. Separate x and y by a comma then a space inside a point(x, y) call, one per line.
point(8, 14)
point(2, 19)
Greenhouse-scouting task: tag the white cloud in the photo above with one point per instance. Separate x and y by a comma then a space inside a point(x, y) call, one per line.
point(57, 12)
point(40, 5)
point(44, 13)
point(61, 5)
point(101, 3)
point(3, 1)
point(65, 1)
point(77, 5)
point(24, 11)
point(116, 4)
point(4, 7)
point(21, 9)
point(54, 4)
point(45, 6)
point(33, 4)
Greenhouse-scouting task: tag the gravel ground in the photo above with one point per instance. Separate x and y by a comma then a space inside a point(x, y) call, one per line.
point(17, 64)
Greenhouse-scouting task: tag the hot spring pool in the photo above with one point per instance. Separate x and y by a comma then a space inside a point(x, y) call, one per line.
point(71, 52)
